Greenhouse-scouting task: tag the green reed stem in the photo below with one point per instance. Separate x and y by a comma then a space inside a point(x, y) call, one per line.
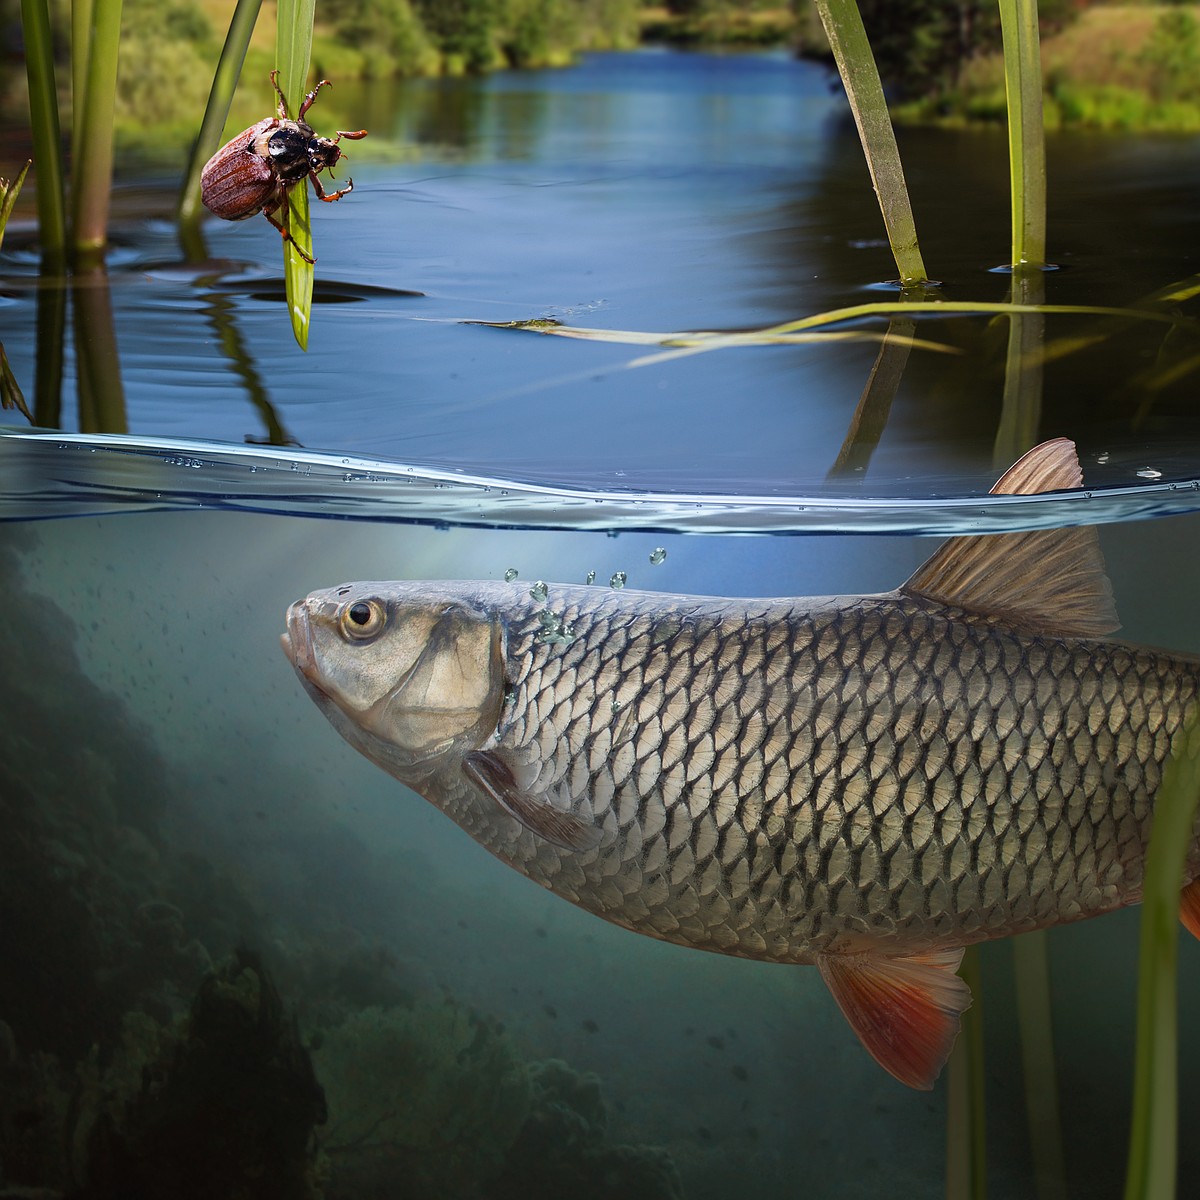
point(8, 197)
point(216, 113)
point(81, 40)
point(875, 404)
point(1153, 1144)
point(966, 1124)
point(47, 137)
point(98, 365)
point(91, 184)
point(1031, 970)
point(51, 343)
point(1026, 135)
point(293, 49)
point(1021, 409)
point(860, 77)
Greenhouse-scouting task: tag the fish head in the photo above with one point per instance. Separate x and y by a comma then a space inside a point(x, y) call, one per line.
point(409, 675)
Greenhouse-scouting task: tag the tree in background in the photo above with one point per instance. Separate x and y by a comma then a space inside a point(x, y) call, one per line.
point(922, 46)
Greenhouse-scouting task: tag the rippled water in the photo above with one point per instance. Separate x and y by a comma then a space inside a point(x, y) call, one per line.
point(643, 193)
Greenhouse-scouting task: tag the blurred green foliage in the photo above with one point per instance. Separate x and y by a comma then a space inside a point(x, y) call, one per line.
point(922, 46)
point(1172, 56)
point(168, 47)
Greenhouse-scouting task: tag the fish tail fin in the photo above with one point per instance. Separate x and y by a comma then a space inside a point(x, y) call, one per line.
point(1189, 907)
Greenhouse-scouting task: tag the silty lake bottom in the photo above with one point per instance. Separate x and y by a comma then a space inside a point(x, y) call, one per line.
point(221, 929)
point(192, 856)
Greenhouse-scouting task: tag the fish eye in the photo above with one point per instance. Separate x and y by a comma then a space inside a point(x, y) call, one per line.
point(362, 619)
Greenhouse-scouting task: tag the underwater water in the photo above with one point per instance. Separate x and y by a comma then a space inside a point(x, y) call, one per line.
point(233, 950)
point(172, 798)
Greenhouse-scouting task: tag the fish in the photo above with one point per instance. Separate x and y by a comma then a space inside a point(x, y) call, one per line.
point(868, 784)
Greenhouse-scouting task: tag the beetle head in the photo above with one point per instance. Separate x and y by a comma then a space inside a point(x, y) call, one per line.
point(323, 153)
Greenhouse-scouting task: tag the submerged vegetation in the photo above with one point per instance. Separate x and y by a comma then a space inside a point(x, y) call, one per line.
point(151, 1040)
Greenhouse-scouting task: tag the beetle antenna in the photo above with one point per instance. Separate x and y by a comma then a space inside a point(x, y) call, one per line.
point(279, 92)
point(353, 135)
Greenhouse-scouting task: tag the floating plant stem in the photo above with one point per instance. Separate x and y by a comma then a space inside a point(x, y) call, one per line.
point(813, 329)
point(293, 49)
point(43, 118)
point(91, 180)
point(220, 96)
point(1153, 1147)
point(860, 77)
point(1026, 135)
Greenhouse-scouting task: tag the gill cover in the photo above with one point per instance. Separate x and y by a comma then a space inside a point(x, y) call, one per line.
point(406, 679)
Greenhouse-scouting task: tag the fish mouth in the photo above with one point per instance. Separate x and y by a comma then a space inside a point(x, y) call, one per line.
point(297, 645)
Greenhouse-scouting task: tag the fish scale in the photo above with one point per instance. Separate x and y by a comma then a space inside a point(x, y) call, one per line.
point(864, 783)
point(838, 767)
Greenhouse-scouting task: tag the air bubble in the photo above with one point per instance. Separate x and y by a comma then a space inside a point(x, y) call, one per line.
point(658, 555)
point(510, 574)
point(554, 629)
point(617, 580)
point(1149, 473)
point(539, 591)
point(591, 577)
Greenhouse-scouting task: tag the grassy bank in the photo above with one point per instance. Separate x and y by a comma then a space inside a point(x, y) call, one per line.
point(1118, 66)
point(169, 48)
point(744, 25)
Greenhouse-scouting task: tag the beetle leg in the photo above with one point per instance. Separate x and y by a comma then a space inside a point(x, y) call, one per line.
point(331, 196)
point(287, 237)
point(308, 100)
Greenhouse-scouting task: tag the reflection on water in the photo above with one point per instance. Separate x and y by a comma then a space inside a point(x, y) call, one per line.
point(648, 192)
point(192, 851)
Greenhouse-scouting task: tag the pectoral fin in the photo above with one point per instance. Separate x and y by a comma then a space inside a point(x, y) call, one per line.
point(1189, 907)
point(490, 772)
point(905, 1010)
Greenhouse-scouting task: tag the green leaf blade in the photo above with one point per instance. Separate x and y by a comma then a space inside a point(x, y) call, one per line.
point(293, 51)
point(1153, 1149)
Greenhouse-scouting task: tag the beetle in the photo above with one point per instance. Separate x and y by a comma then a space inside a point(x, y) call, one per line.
point(254, 171)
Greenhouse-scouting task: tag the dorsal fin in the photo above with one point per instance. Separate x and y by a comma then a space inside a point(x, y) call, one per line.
point(1047, 580)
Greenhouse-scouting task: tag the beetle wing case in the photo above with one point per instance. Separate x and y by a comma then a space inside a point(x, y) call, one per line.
point(238, 181)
